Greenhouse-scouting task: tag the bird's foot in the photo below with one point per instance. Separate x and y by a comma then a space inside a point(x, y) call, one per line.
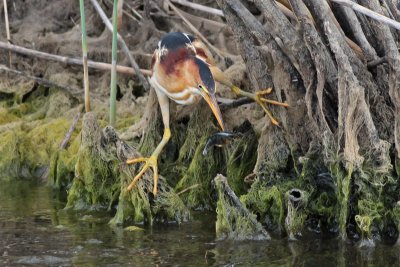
point(150, 162)
point(259, 98)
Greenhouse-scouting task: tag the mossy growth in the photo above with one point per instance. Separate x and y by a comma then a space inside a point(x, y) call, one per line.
point(343, 183)
point(29, 138)
point(266, 202)
point(200, 172)
point(28, 147)
point(102, 177)
point(234, 221)
point(297, 201)
point(201, 168)
point(140, 206)
point(62, 164)
point(6, 116)
point(11, 164)
point(42, 141)
point(96, 184)
point(396, 217)
point(241, 157)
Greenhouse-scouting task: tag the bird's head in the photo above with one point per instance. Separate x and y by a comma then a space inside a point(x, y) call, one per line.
point(205, 85)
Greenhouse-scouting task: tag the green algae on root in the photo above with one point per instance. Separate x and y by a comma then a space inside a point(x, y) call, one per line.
point(296, 214)
point(241, 157)
point(201, 168)
point(266, 201)
point(101, 179)
point(234, 221)
point(96, 182)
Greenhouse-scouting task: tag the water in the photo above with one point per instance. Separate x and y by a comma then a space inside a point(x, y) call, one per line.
point(35, 231)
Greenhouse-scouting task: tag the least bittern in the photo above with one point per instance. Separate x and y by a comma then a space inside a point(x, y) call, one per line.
point(183, 70)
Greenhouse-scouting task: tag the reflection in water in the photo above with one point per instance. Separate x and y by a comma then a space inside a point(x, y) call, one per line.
point(34, 230)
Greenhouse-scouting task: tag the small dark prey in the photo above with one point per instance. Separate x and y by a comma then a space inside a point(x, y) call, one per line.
point(219, 139)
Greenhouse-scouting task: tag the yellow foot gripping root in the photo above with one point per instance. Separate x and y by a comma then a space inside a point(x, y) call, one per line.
point(261, 100)
point(259, 97)
point(148, 163)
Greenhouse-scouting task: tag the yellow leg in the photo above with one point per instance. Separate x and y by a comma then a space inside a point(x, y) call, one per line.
point(258, 97)
point(150, 162)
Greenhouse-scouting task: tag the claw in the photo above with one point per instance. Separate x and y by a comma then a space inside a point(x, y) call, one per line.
point(148, 163)
point(265, 91)
point(261, 100)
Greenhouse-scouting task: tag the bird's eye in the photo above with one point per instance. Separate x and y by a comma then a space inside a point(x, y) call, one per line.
point(201, 87)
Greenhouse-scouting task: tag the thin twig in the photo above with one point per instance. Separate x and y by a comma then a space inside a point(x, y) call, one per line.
point(187, 189)
point(121, 41)
point(7, 27)
point(71, 129)
point(73, 91)
point(134, 11)
point(68, 60)
point(369, 13)
point(207, 9)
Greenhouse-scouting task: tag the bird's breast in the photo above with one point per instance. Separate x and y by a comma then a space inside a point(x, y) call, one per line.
point(186, 96)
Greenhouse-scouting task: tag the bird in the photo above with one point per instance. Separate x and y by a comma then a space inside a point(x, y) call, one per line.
point(184, 70)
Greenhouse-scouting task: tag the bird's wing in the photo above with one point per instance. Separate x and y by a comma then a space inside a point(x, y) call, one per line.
point(203, 52)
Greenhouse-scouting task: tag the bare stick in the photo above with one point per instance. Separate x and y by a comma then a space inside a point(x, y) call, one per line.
point(68, 60)
point(71, 129)
point(73, 91)
point(369, 13)
point(207, 9)
point(84, 56)
point(121, 41)
point(7, 27)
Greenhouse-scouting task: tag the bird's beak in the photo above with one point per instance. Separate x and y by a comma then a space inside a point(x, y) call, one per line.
point(212, 102)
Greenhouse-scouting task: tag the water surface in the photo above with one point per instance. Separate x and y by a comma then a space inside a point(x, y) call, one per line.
point(35, 231)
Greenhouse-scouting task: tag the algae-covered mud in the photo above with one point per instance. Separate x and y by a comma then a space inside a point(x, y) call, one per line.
point(319, 183)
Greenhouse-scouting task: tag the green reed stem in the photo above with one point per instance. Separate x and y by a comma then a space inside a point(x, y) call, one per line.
point(113, 93)
point(84, 56)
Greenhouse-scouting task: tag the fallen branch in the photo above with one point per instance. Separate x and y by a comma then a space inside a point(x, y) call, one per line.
point(234, 220)
point(121, 41)
point(68, 60)
point(207, 9)
point(369, 13)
